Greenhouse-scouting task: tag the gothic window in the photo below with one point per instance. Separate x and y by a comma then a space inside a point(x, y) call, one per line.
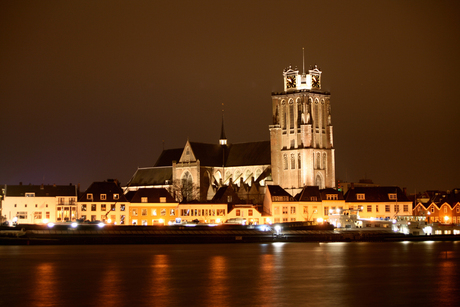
point(324, 161)
point(319, 182)
point(316, 113)
point(283, 116)
point(285, 161)
point(298, 161)
point(299, 113)
point(318, 161)
point(291, 115)
point(292, 161)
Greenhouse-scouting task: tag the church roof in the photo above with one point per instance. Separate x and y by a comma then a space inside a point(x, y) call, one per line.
point(241, 154)
point(169, 155)
point(151, 176)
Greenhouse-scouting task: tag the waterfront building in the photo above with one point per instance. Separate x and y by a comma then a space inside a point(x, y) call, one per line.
point(441, 207)
point(152, 206)
point(35, 204)
point(378, 202)
point(105, 202)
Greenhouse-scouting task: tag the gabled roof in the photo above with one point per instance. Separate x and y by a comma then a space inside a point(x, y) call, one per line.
point(153, 195)
point(169, 155)
point(241, 154)
point(329, 191)
point(151, 176)
point(276, 190)
point(109, 188)
point(41, 190)
point(375, 194)
point(309, 193)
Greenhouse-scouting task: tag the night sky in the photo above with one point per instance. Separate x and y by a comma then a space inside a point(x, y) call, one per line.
point(89, 90)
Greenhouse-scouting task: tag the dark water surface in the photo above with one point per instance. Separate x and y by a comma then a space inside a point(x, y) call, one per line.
point(277, 274)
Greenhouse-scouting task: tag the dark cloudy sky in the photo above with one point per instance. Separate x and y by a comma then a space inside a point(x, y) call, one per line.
point(90, 89)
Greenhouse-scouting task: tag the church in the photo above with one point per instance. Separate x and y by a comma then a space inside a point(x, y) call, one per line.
point(300, 151)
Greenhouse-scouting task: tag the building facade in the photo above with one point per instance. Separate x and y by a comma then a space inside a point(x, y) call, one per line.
point(301, 136)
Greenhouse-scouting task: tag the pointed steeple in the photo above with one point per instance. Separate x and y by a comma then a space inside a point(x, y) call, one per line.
point(223, 139)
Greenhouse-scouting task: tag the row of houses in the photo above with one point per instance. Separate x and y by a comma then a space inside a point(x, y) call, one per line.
point(107, 201)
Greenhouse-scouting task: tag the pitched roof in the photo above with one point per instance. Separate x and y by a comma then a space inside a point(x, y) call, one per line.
point(241, 154)
point(308, 192)
point(109, 188)
point(151, 176)
point(41, 190)
point(375, 194)
point(276, 190)
point(153, 195)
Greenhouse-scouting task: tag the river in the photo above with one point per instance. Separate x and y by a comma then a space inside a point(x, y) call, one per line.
point(275, 274)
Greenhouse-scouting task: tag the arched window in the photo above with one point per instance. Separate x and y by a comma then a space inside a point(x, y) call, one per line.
point(299, 113)
point(316, 113)
point(291, 114)
point(299, 159)
point(285, 161)
point(292, 161)
point(324, 161)
point(318, 161)
point(283, 115)
point(319, 182)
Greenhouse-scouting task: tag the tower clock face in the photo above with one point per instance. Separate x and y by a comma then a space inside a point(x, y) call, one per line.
point(315, 81)
point(290, 82)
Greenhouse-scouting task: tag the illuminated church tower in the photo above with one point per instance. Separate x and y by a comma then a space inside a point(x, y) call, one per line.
point(301, 142)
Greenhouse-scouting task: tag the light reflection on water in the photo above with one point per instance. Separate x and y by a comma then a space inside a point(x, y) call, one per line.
point(278, 274)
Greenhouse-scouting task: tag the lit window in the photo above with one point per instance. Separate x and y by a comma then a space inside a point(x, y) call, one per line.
point(172, 212)
point(276, 211)
point(37, 215)
point(134, 212)
point(144, 212)
point(122, 208)
point(93, 207)
point(89, 196)
point(406, 208)
point(30, 194)
point(103, 207)
point(112, 207)
point(285, 210)
point(238, 212)
point(116, 196)
point(163, 212)
point(144, 199)
point(83, 207)
point(154, 212)
point(392, 196)
point(292, 210)
point(332, 196)
point(162, 199)
point(22, 215)
point(250, 212)
point(360, 196)
point(103, 196)
point(369, 208)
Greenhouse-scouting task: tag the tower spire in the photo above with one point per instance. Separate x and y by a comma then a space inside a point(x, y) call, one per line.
point(303, 61)
point(223, 139)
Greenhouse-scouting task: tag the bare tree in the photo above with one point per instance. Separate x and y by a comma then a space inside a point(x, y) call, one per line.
point(184, 190)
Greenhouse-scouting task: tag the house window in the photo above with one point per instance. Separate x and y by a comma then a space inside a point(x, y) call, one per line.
point(305, 210)
point(276, 211)
point(154, 212)
point(134, 212)
point(432, 209)
point(36, 206)
point(116, 196)
point(360, 196)
point(285, 219)
point(406, 208)
point(285, 210)
point(162, 199)
point(47, 214)
point(93, 207)
point(392, 196)
point(122, 219)
point(25, 206)
point(103, 196)
point(112, 207)
point(144, 199)
point(15, 205)
point(458, 209)
point(172, 212)
point(376, 208)
point(396, 208)
point(292, 219)
point(83, 207)
point(445, 209)
point(250, 212)
point(277, 220)
point(89, 196)
point(314, 198)
point(93, 218)
point(83, 217)
point(103, 207)
point(326, 211)
point(229, 198)
point(238, 212)
point(163, 212)
point(144, 212)
point(30, 194)
point(122, 207)
point(37, 215)
point(387, 208)
point(292, 210)
point(332, 197)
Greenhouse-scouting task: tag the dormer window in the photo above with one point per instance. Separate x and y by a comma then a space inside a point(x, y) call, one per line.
point(392, 196)
point(332, 197)
point(360, 196)
point(313, 198)
point(89, 196)
point(30, 194)
point(116, 196)
point(144, 199)
point(162, 199)
point(103, 196)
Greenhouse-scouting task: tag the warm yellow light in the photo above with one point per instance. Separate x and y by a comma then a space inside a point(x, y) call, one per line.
point(46, 221)
point(109, 221)
point(218, 221)
point(161, 221)
point(320, 220)
point(446, 218)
